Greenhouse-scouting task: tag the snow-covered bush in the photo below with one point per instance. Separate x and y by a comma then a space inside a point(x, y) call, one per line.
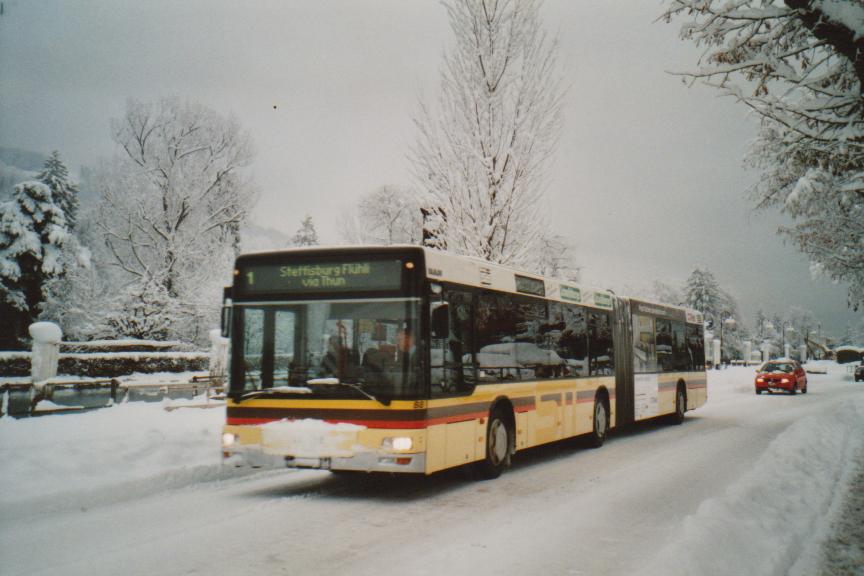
point(144, 312)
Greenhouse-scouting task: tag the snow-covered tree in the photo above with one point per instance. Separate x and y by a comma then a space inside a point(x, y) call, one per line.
point(803, 323)
point(481, 156)
point(56, 176)
point(799, 64)
point(554, 256)
point(172, 204)
point(33, 235)
point(702, 292)
point(305, 235)
point(387, 215)
point(667, 293)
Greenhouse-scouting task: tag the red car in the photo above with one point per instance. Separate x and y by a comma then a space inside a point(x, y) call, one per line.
point(786, 375)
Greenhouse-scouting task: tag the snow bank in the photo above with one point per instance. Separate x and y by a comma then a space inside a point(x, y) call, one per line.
point(774, 518)
point(84, 459)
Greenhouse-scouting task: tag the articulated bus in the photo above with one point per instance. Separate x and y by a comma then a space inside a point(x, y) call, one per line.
point(406, 359)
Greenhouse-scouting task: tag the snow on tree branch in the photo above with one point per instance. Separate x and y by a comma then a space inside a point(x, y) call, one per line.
point(799, 64)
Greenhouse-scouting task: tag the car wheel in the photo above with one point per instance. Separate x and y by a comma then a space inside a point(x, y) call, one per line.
point(601, 423)
point(499, 447)
point(758, 391)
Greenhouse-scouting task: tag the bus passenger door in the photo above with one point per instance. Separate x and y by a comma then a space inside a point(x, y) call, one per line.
point(623, 342)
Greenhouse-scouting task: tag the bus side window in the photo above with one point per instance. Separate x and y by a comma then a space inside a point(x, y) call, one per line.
point(452, 358)
point(679, 347)
point(663, 338)
point(644, 355)
point(600, 344)
point(496, 330)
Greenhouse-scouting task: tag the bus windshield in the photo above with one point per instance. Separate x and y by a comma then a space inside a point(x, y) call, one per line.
point(311, 347)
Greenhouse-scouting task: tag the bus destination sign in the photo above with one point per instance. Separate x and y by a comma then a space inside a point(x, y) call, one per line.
point(321, 277)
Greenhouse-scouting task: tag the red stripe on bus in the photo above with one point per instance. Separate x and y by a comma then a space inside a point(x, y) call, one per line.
point(376, 424)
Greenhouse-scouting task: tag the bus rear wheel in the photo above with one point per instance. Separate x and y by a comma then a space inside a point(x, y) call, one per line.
point(681, 405)
point(499, 447)
point(601, 422)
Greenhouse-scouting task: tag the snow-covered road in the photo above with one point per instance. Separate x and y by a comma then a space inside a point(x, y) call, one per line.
point(748, 485)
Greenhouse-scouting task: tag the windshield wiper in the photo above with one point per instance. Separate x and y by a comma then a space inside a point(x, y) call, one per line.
point(275, 390)
point(357, 387)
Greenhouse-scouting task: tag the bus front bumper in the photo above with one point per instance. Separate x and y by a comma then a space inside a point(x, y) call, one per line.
point(371, 461)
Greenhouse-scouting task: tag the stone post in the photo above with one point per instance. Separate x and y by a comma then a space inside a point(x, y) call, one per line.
point(46, 350)
point(766, 350)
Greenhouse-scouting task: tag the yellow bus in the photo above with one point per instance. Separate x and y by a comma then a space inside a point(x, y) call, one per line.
point(406, 359)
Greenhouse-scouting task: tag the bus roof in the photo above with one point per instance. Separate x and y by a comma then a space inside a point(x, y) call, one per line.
point(476, 272)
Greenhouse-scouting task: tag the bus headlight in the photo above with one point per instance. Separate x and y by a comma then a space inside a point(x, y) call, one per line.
point(228, 439)
point(397, 443)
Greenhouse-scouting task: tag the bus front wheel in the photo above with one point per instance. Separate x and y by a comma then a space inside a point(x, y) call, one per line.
point(499, 447)
point(601, 422)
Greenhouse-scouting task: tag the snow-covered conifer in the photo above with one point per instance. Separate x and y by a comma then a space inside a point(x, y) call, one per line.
point(33, 235)
point(306, 234)
point(702, 292)
point(56, 176)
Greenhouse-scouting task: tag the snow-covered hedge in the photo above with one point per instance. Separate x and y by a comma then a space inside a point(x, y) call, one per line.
point(14, 363)
point(110, 364)
point(113, 364)
point(126, 345)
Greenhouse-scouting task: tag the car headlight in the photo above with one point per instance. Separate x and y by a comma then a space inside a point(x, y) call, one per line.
point(784, 380)
point(228, 439)
point(760, 380)
point(397, 443)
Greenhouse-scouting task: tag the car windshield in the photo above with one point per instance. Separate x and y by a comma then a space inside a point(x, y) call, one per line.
point(783, 367)
point(322, 348)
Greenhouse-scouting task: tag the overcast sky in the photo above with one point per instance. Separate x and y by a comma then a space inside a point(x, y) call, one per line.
point(647, 182)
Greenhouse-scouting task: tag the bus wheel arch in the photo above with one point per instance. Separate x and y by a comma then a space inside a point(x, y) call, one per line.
point(600, 418)
point(500, 439)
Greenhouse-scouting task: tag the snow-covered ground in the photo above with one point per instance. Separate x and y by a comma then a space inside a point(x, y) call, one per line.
point(125, 451)
point(748, 485)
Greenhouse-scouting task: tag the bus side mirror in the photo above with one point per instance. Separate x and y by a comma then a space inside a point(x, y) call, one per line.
point(225, 320)
point(440, 320)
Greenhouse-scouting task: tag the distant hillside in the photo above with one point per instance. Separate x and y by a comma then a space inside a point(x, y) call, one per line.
point(9, 177)
point(22, 159)
point(254, 238)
